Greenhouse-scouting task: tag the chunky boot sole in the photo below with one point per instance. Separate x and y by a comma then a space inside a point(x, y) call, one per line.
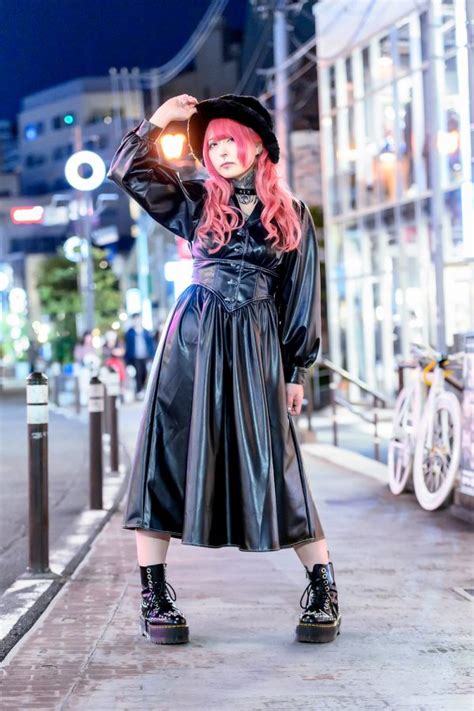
point(164, 634)
point(306, 632)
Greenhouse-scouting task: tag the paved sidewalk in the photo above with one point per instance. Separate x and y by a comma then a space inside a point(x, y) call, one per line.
point(405, 642)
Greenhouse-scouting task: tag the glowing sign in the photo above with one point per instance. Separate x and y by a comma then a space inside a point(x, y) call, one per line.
point(27, 214)
point(94, 161)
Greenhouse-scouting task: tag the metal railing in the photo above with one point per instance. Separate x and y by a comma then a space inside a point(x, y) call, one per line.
point(367, 409)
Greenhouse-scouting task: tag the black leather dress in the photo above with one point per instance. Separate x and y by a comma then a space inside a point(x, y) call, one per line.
point(217, 461)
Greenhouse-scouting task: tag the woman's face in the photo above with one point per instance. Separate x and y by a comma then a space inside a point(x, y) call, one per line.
point(223, 155)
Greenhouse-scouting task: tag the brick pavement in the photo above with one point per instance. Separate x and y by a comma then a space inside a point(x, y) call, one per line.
point(405, 642)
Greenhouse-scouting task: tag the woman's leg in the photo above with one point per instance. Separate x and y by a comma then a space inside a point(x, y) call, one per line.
point(312, 552)
point(152, 547)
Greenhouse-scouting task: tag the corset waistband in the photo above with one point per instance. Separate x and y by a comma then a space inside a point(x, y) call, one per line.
point(243, 262)
point(235, 281)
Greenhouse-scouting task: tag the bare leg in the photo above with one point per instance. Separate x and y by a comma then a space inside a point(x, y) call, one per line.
point(312, 552)
point(152, 547)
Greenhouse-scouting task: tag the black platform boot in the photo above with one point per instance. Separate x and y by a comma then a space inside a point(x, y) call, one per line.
point(161, 621)
point(321, 618)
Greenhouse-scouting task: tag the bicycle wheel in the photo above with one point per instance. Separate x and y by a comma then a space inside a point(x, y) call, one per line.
point(400, 447)
point(436, 465)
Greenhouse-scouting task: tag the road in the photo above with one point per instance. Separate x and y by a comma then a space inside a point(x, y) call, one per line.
point(68, 477)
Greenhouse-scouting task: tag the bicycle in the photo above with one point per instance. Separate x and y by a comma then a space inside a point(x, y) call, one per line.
point(425, 448)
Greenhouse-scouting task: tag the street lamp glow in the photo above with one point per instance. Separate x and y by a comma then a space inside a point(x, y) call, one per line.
point(97, 165)
point(172, 145)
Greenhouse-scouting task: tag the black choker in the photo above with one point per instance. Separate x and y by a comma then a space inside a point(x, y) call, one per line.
point(244, 191)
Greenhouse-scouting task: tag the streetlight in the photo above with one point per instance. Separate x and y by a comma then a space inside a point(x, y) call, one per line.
point(86, 211)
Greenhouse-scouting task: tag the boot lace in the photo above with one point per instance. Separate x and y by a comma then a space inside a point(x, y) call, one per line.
point(165, 591)
point(316, 595)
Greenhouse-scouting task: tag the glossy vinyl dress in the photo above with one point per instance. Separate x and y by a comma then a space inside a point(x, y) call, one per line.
point(217, 461)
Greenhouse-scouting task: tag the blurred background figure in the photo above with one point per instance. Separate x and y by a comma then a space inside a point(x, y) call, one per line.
point(86, 363)
point(139, 350)
point(113, 352)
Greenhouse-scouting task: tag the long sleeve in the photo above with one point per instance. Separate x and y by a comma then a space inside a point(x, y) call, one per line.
point(298, 299)
point(138, 169)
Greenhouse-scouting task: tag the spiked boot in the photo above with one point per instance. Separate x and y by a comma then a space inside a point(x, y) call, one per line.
point(161, 622)
point(321, 618)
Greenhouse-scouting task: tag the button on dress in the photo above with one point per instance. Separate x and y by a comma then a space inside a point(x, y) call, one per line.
point(217, 460)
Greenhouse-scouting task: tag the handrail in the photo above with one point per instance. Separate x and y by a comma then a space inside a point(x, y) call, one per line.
point(379, 401)
point(357, 381)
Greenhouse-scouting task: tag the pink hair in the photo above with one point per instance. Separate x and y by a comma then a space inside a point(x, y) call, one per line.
point(279, 216)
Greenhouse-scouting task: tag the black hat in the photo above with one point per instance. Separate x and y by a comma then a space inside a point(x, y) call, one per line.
point(245, 109)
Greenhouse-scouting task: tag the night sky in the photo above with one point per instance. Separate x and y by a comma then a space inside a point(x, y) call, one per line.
point(46, 42)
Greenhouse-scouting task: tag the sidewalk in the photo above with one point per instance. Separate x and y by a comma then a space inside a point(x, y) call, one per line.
point(406, 634)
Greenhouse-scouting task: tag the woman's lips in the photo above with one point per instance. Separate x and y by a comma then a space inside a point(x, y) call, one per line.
point(224, 165)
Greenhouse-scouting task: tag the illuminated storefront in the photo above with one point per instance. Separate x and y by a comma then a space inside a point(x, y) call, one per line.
point(398, 213)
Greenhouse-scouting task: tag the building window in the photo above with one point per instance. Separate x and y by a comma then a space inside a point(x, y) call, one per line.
point(403, 48)
point(332, 86)
point(33, 130)
point(62, 152)
point(32, 160)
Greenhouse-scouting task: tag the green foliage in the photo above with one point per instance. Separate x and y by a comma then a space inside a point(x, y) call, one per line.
point(58, 288)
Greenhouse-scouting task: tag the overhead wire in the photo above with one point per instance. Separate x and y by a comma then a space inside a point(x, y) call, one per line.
point(255, 58)
point(173, 67)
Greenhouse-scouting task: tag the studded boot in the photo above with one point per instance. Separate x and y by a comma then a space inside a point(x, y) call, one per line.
point(321, 619)
point(161, 622)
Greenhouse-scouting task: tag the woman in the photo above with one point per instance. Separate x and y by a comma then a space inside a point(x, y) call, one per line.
point(217, 461)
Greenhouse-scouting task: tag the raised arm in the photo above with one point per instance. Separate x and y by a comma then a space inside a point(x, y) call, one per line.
point(298, 300)
point(137, 168)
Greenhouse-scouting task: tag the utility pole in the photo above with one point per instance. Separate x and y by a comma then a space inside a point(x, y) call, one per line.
point(282, 116)
point(434, 70)
point(278, 9)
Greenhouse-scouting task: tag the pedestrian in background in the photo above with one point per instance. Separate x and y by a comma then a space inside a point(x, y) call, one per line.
point(113, 352)
point(217, 461)
point(139, 350)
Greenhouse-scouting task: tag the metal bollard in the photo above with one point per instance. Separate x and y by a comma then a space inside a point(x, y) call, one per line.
point(113, 393)
point(96, 409)
point(77, 395)
point(104, 374)
point(37, 421)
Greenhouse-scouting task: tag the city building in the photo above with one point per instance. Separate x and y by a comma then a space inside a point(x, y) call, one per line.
point(396, 177)
point(56, 122)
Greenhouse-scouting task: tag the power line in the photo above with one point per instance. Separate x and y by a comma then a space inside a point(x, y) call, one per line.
point(172, 68)
point(255, 59)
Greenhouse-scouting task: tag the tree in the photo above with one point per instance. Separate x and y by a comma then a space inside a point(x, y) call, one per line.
point(61, 300)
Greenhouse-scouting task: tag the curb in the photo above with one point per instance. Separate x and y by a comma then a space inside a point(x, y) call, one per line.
point(30, 594)
point(348, 459)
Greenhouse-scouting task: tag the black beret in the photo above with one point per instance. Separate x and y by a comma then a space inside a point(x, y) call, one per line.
point(247, 110)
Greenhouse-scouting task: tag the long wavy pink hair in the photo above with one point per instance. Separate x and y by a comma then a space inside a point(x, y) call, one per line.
point(279, 216)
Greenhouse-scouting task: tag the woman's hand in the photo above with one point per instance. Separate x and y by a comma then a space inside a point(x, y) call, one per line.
point(178, 108)
point(294, 398)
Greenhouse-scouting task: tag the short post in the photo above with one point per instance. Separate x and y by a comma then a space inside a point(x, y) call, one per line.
point(57, 388)
point(37, 421)
point(104, 377)
point(77, 394)
point(400, 376)
point(96, 409)
point(376, 431)
point(310, 399)
point(113, 394)
point(332, 389)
